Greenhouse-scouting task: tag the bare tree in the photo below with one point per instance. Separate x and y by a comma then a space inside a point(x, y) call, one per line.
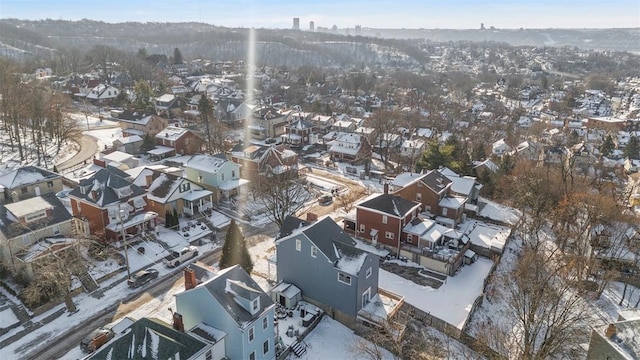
point(545, 311)
point(53, 276)
point(281, 194)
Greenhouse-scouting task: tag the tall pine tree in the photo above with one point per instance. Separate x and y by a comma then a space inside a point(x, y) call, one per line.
point(234, 250)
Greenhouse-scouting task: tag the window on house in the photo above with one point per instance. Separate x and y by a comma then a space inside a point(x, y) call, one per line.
point(49, 184)
point(314, 251)
point(251, 334)
point(409, 238)
point(444, 211)
point(252, 356)
point(56, 230)
point(345, 279)
point(298, 245)
point(265, 347)
point(186, 186)
point(369, 272)
point(418, 196)
point(24, 190)
point(389, 235)
point(254, 305)
point(265, 323)
point(384, 219)
point(362, 228)
point(208, 355)
point(233, 173)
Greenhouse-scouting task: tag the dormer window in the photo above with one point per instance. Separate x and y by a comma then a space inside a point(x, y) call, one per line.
point(255, 305)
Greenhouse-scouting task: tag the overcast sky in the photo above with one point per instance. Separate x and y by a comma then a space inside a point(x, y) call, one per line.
point(452, 14)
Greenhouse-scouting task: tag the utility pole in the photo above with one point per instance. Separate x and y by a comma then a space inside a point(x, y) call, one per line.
point(124, 238)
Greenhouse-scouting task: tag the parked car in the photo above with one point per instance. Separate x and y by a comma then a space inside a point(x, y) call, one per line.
point(176, 258)
point(95, 339)
point(142, 277)
point(325, 200)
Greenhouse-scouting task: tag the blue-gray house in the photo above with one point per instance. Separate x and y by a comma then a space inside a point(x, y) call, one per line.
point(324, 263)
point(234, 303)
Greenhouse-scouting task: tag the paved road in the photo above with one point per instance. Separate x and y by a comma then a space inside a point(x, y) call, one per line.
point(56, 348)
point(88, 148)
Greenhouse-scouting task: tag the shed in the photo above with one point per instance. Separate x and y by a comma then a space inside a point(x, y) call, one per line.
point(286, 295)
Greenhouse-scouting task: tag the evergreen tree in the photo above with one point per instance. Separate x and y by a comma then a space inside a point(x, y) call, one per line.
point(55, 169)
point(607, 146)
point(168, 219)
point(632, 151)
point(174, 217)
point(148, 142)
point(234, 250)
point(177, 56)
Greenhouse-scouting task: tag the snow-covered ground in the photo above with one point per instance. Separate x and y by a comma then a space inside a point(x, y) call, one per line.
point(452, 302)
point(332, 340)
point(7, 318)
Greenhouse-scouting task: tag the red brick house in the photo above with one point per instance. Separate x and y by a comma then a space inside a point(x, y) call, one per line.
point(174, 140)
point(298, 133)
point(380, 219)
point(107, 202)
point(433, 191)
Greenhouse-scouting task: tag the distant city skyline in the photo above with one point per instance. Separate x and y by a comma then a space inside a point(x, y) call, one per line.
point(409, 14)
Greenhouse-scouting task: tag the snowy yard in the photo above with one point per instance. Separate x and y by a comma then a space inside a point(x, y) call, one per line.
point(452, 302)
point(7, 318)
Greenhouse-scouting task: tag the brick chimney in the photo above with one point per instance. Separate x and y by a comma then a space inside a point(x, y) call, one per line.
point(94, 195)
point(178, 324)
point(386, 188)
point(611, 331)
point(311, 217)
point(189, 278)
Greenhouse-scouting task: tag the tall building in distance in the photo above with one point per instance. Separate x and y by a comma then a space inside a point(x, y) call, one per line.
point(296, 23)
point(312, 26)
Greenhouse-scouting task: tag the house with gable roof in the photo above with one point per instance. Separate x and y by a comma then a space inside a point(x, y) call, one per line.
point(331, 272)
point(217, 174)
point(102, 94)
point(258, 160)
point(232, 302)
point(25, 223)
point(433, 191)
point(381, 217)
point(107, 203)
point(153, 339)
point(175, 140)
point(141, 125)
point(27, 182)
point(167, 192)
point(350, 147)
point(166, 103)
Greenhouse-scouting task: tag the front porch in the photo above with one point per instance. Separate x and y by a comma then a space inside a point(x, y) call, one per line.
point(133, 225)
point(197, 201)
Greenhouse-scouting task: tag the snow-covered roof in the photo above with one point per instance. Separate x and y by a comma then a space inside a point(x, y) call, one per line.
point(171, 133)
point(206, 163)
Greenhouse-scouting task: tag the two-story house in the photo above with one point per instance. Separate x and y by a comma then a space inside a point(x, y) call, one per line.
point(323, 262)
point(298, 133)
point(257, 160)
point(135, 124)
point(150, 338)
point(217, 174)
point(231, 301)
point(102, 94)
point(26, 222)
point(108, 203)
point(168, 102)
point(174, 140)
point(267, 122)
point(350, 147)
point(381, 217)
point(433, 191)
point(27, 182)
point(167, 192)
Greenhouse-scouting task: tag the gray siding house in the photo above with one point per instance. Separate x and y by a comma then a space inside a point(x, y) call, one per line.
point(232, 302)
point(323, 262)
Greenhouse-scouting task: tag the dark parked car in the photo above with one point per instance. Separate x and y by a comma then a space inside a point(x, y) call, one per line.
point(95, 339)
point(142, 277)
point(325, 200)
